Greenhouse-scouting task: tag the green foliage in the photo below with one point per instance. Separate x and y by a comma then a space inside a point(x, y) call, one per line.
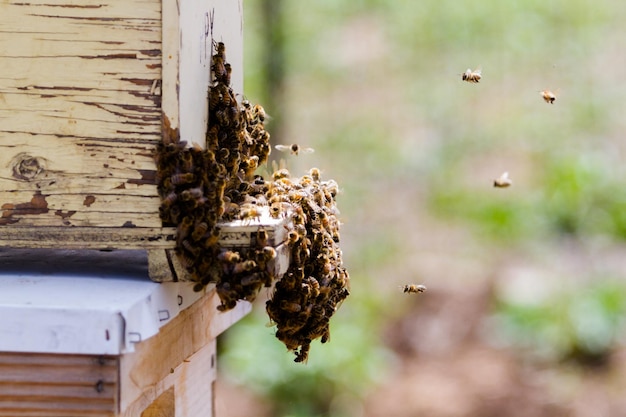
point(400, 118)
point(345, 367)
point(582, 325)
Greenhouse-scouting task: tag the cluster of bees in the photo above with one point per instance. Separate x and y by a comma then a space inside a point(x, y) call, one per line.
point(474, 76)
point(201, 187)
point(316, 282)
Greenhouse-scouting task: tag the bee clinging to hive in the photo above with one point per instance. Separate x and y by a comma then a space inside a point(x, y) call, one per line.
point(201, 189)
point(472, 76)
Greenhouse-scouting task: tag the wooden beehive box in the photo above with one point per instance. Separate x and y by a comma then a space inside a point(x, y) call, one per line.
point(87, 87)
point(117, 344)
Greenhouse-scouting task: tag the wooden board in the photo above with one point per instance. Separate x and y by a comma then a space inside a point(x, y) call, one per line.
point(47, 385)
point(183, 355)
point(85, 88)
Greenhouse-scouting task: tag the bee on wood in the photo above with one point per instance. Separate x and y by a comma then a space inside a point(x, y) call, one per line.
point(472, 76)
point(414, 288)
point(220, 50)
point(503, 181)
point(250, 213)
point(548, 96)
point(295, 149)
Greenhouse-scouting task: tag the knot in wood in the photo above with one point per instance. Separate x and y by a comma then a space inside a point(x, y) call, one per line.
point(27, 167)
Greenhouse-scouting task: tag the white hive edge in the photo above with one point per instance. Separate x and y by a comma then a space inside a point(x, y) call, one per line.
point(83, 302)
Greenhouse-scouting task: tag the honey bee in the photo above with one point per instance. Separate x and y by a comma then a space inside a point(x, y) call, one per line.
point(502, 181)
point(229, 256)
point(472, 76)
point(199, 231)
point(259, 111)
point(180, 179)
point(252, 279)
point(290, 307)
point(295, 149)
point(220, 49)
point(303, 355)
point(548, 96)
point(315, 174)
point(414, 288)
point(244, 266)
point(250, 213)
point(293, 237)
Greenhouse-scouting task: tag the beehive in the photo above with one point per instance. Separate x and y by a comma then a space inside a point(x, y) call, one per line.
point(87, 88)
point(86, 334)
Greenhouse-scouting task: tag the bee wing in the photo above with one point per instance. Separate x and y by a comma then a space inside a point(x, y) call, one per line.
point(282, 148)
point(307, 150)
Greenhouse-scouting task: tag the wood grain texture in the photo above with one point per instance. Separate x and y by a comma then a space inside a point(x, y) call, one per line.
point(80, 112)
point(181, 354)
point(58, 385)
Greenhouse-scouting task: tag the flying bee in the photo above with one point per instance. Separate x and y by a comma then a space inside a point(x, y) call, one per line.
point(295, 149)
point(472, 76)
point(548, 96)
point(503, 181)
point(414, 288)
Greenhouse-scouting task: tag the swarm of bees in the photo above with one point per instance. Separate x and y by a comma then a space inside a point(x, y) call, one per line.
point(200, 188)
point(316, 282)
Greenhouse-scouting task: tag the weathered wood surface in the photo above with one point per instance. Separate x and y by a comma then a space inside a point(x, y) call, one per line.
point(47, 385)
point(183, 355)
point(80, 112)
point(84, 89)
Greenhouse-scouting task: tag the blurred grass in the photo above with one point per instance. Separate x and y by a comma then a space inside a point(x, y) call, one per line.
point(374, 86)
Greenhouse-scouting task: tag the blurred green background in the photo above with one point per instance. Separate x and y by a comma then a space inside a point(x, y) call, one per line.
point(524, 313)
